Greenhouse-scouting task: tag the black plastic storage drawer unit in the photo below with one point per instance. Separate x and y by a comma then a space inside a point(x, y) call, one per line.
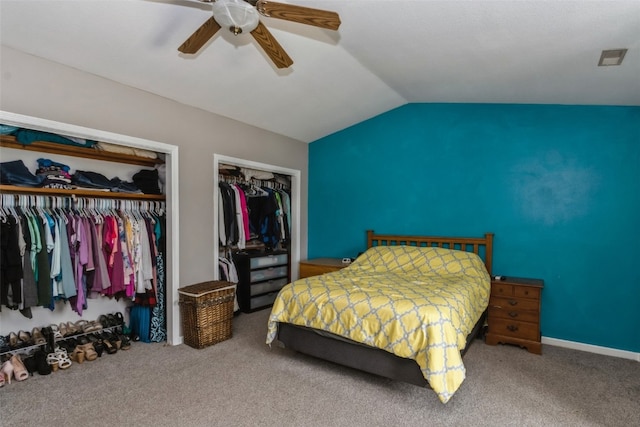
point(260, 277)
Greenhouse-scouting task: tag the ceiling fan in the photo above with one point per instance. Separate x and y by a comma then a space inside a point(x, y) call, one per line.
point(242, 16)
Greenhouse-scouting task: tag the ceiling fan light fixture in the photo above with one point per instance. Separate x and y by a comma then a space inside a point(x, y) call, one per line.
point(237, 15)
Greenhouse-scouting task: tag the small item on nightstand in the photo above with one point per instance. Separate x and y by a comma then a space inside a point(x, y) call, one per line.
point(346, 260)
point(501, 278)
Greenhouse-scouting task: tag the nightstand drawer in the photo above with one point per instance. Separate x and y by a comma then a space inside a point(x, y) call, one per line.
point(515, 329)
point(506, 290)
point(526, 292)
point(506, 313)
point(518, 304)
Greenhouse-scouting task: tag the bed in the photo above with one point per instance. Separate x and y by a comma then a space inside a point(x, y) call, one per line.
point(406, 309)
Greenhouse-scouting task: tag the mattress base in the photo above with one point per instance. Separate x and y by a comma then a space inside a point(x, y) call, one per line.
point(359, 356)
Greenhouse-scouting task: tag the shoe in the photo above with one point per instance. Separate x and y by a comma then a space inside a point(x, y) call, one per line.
point(125, 342)
point(98, 346)
point(43, 368)
point(7, 371)
point(119, 318)
point(4, 344)
point(37, 337)
point(14, 342)
point(80, 325)
point(72, 329)
point(56, 332)
point(63, 329)
point(30, 363)
point(90, 353)
point(77, 355)
point(109, 346)
point(115, 339)
point(63, 359)
point(20, 373)
point(105, 321)
point(25, 337)
point(93, 326)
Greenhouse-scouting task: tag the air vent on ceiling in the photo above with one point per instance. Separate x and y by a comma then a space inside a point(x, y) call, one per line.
point(612, 57)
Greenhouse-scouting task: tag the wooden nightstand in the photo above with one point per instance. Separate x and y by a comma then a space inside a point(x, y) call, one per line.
point(317, 266)
point(514, 313)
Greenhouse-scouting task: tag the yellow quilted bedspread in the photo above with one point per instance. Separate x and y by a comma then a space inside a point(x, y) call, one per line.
point(415, 302)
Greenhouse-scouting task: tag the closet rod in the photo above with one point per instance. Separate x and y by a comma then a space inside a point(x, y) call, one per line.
point(102, 204)
point(78, 192)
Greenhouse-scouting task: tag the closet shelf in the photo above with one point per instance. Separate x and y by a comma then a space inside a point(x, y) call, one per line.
point(14, 189)
point(9, 141)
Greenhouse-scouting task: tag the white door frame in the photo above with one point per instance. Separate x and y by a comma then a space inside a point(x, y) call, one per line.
point(295, 175)
point(172, 269)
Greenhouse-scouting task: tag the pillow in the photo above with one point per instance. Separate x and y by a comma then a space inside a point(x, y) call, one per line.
point(420, 260)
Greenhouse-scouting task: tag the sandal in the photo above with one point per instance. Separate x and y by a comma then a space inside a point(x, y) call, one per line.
point(126, 342)
point(109, 346)
point(63, 360)
point(80, 325)
point(63, 329)
point(52, 361)
point(90, 353)
point(93, 326)
point(98, 346)
point(77, 355)
point(56, 332)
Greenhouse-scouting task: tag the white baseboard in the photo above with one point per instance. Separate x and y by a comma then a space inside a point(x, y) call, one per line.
point(592, 348)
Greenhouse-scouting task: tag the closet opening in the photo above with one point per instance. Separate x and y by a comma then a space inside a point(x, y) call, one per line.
point(96, 203)
point(256, 228)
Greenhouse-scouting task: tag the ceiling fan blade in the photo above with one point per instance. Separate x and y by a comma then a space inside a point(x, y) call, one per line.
point(271, 46)
point(200, 36)
point(300, 14)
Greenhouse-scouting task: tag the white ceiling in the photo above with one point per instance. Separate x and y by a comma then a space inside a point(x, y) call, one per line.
point(386, 53)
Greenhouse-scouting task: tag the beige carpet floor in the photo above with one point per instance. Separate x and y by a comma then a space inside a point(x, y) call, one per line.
point(243, 382)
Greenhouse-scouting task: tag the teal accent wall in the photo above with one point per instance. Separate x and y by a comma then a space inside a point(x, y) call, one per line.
point(558, 185)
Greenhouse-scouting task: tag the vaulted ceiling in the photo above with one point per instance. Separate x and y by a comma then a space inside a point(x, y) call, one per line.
point(385, 54)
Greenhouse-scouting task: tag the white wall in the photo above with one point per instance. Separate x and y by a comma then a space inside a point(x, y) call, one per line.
point(40, 88)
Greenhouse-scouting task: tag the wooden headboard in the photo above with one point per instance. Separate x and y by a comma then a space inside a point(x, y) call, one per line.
point(481, 246)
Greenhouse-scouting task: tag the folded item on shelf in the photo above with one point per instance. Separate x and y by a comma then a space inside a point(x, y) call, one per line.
point(27, 136)
point(145, 153)
point(16, 173)
point(121, 149)
point(90, 179)
point(7, 129)
point(114, 148)
point(48, 163)
point(147, 180)
point(121, 186)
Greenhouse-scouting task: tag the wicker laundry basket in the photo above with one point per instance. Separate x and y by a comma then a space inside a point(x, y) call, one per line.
point(206, 310)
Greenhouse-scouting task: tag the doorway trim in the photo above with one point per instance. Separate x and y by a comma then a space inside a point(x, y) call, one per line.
point(295, 175)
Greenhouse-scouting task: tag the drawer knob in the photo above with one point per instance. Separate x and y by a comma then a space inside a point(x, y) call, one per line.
point(513, 313)
point(513, 302)
point(512, 328)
